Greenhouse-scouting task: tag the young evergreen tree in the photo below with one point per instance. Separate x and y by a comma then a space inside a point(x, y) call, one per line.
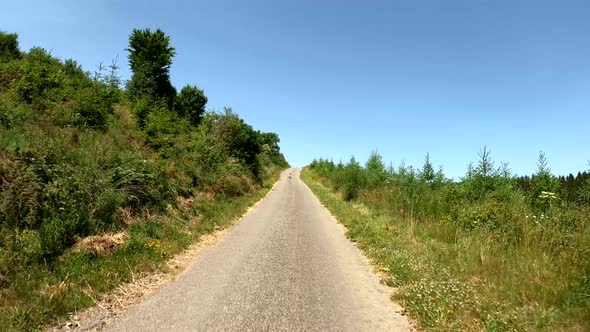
point(427, 174)
point(376, 172)
point(544, 186)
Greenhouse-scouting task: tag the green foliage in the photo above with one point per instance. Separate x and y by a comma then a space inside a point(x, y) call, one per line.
point(269, 145)
point(544, 187)
point(150, 57)
point(469, 255)
point(354, 179)
point(376, 173)
point(39, 73)
point(584, 192)
point(142, 108)
point(484, 179)
point(9, 47)
point(238, 139)
point(485, 198)
point(163, 128)
point(93, 108)
point(77, 159)
point(95, 103)
point(427, 170)
point(190, 103)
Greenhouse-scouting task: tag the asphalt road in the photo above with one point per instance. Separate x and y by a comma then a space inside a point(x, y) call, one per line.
point(286, 266)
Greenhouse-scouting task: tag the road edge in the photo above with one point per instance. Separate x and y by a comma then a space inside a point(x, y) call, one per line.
point(117, 302)
point(376, 268)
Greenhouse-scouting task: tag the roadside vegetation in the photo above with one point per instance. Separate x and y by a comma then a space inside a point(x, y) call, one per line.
point(100, 182)
point(490, 251)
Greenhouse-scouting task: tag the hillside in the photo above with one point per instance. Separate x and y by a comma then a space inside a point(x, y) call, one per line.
point(145, 167)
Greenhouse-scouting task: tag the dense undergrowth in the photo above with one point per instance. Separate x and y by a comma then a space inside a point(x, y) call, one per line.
point(80, 156)
point(482, 253)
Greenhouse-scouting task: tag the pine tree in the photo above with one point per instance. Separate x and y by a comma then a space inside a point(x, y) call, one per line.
point(375, 170)
point(428, 174)
point(544, 186)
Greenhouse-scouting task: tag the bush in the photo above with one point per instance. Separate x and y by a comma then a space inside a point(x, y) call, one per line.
point(234, 138)
point(353, 180)
point(93, 106)
point(490, 214)
point(141, 182)
point(376, 173)
point(10, 72)
point(57, 234)
point(235, 185)
point(40, 73)
point(190, 103)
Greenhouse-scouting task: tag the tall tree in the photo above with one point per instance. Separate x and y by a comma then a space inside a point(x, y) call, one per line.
point(150, 57)
point(8, 47)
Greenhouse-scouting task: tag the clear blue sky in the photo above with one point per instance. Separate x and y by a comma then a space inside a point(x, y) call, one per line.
point(337, 78)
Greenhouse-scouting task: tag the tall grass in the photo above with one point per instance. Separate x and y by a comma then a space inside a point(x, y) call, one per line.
point(477, 254)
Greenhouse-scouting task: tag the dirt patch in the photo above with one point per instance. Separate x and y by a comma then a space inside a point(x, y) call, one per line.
point(110, 306)
point(101, 245)
point(361, 208)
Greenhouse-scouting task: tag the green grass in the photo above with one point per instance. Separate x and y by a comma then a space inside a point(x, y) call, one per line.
point(43, 293)
point(452, 279)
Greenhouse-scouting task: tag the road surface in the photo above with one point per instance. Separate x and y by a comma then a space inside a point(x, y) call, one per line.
point(286, 266)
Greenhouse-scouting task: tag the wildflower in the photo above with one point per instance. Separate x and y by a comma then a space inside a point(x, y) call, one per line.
point(547, 194)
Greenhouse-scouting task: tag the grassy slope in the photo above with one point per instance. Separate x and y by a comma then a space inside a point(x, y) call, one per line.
point(43, 294)
point(449, 280)
point(76, 163)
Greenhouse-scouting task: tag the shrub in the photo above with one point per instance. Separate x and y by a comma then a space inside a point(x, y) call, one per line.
point(142, 108)
point(236, 138)
point(162, 127)
point(141, 182)
point(57, 234)
point(234, 185)
point(353, 179)
point(40, 73)
point(10, 72)
point(376, 173)
point(190, 103)
point(93, 106)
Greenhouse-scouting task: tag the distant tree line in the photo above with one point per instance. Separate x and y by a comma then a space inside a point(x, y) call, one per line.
point(572, 187)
